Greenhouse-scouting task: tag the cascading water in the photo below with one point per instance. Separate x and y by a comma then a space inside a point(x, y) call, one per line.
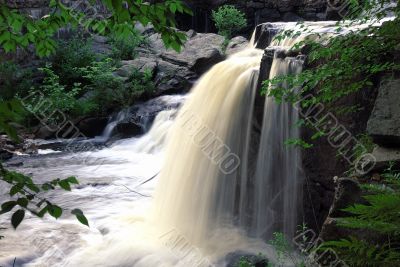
point(196, 194)
point(207, 191)
point(277, 181)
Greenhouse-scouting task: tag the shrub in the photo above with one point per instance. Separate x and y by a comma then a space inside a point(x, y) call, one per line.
point(126, 48)
point(57, 98)
point(139, 84)
point(71, 55)
point(110, 91)
point(229, 20)
point(13, 80)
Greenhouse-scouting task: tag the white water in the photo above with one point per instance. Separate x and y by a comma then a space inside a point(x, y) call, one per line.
point(201, 205)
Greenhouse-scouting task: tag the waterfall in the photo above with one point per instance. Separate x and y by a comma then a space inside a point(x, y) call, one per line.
point(204, 184)
point(112, 123)
point(277, 181)
point(201, 173)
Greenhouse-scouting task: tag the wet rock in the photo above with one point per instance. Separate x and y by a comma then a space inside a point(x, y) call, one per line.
point(44, 132)
point(128, 128)
point(91, 127)
point(236, 44)
point(384, 122)
point(5, 154)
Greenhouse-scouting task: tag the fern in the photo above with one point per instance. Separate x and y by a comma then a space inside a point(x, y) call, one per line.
point(360, 253)
point(382, 215)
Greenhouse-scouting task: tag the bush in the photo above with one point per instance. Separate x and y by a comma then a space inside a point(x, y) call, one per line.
point(57, 98)
point(111, 92)
point(229, 20)
point(71, 55)
point(126, 48)
point(13, 80)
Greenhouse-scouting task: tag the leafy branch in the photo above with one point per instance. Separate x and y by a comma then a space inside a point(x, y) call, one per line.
point(26, 195)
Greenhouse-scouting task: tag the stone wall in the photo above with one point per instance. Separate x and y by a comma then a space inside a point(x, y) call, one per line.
point(257, 11)
point(35, 8)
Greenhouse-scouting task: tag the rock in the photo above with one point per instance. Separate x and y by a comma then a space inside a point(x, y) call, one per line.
point(44, 132)
point(199, 53)
point(264, 34)
point(128, 128)
point(171, 78)
point(140, 63)
point(5, 154)
point(290, 16)
point(347, 193)
point(384, 157)
point(91, 127)
point(384, 123)
point(236, 44)
point(268, 15)
point(100, 45)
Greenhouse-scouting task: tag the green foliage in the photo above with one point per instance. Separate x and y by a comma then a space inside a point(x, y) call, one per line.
point(19, 31)
point(126, 48)
point(359, 253)
point(139, 83)
point(365, 145)
point(298, 142)
point(26, 196)
point(52, 97)
point(229, 20)
point(282, 246)
point(10, 112)
point(70, 55)
point(340, 65)
point(244, 262)
point(13, 80)
point(380, 216)
point(110, 91)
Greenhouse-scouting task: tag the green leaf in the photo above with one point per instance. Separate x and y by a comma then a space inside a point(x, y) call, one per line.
point(80, 216)
point(72, 180)
point(43, 212)
point(23, 202)
point(54, 210)
point(17, 218)
point(33, 187)
point(7, 206)
point(64, 185)
point(16, 189)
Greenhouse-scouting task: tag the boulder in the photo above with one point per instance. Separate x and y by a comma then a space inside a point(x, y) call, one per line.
point(384, 123)
point(236, 44)
point(384, 157)
point(141, 63)
point(171, 78)
point(128, 128)
point(93, 126)
point(5, 154)
point(199, 53)
point(44, 132)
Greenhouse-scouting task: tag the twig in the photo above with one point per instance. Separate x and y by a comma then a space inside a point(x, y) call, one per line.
point(133, 191)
